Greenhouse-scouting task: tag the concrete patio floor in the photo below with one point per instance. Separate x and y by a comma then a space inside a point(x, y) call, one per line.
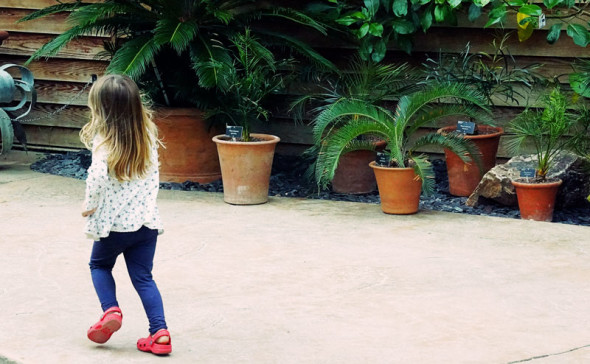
point(296, 281)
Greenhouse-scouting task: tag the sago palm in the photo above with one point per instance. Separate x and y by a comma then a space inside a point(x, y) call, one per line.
point(546, 130)
point(201, 29)
point(398, 128)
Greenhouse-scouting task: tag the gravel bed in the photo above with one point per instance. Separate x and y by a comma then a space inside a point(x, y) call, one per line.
point(287, 181)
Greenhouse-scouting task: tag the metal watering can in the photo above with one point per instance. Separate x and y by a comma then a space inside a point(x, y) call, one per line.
point(8, 90)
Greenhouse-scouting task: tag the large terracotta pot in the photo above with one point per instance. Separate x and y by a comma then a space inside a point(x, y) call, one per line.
point(536, 200)
point(189, 153)
point(245, 168)
point(464, 177)
point(353, 174)
point(399, 189)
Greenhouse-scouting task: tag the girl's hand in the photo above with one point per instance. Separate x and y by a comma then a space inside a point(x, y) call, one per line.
point(88, 213)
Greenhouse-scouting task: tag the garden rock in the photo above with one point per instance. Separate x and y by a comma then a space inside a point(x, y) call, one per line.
point(571, 169)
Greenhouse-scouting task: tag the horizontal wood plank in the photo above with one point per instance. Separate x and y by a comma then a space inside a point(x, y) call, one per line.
point(51, 24)
point(69, 93)
point(55, 115)
point(36, 4)
point(25, 44)
point(53, 136)
point(56, 69)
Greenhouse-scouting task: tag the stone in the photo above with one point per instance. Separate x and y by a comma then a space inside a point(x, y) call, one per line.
point(568, 167)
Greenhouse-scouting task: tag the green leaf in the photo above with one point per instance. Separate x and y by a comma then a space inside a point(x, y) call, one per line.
point(554, 33)
point(579, 34)
point(454, 3)
point(376, 29)
point(379, 51)
point(426, 20)
point(570, 3)
point(386, 4)
point(346, 20)
point(366, 49)
point(516, 3)
point(481, 3)
point(474, 12)
point(496, 15)
point(372, 6)
point(403, 26)
point(400, 7)
point(550, 4)
point(405, 44)
point(532, 10)
point(177, 34)
point(363, 30)
point(134, 56)
point(440, 12)
point(580, 83)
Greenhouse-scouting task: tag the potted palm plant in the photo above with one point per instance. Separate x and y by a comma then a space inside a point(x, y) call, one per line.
point(366, 81)
point(546, 131)
point(246, 159)
point(178, 53)
point(406, 171)
point(495, 75)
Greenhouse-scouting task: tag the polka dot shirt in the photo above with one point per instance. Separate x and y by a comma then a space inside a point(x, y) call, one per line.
point(120, 206)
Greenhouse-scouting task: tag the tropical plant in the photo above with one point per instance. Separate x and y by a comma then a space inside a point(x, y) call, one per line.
point(248, 81)
point(546, 130)
point(362, 80)
point(529, 16)
point(377, 23)
point(161, 34)
point(495, 74)
point(398, 128)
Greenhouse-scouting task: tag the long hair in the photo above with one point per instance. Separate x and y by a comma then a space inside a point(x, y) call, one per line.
point(124, 124)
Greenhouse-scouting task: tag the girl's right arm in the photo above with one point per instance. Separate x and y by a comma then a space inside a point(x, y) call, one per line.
point(96, 180)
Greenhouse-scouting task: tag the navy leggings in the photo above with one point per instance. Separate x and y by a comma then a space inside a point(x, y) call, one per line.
point(138, 248)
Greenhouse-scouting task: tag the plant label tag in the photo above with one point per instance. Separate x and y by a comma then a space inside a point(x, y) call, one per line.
point(465, 127)
point(234, 132)
point(527, 173)
point(542, 21)
point(382, 159)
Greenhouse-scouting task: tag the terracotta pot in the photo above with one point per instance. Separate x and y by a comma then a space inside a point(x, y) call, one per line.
point(245, 168)
point(190, 155)
point(536, 200)
point(353, 174)
point(464, 177)
point(399, 189)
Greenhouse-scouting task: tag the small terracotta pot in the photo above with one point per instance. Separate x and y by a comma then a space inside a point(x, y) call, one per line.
point(189, 153)
point(399, 189)
point(245, 168)
point(464, 177)
point(353, 174)
point(536, 200)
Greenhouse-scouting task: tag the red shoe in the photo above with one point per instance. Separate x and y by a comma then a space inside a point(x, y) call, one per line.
point(110, 322)
point(150, 345)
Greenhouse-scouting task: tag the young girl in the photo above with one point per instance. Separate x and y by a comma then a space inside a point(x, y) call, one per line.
point(120, 204)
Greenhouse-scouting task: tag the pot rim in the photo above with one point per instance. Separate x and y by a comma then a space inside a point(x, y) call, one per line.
point(497, 134)
point(536, 185)
point(268, 139)
point(374, 165)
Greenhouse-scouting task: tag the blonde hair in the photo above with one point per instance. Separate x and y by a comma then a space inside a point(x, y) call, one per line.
point(124, 124)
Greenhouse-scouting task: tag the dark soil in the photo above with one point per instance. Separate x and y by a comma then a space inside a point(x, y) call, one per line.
point(287, 181)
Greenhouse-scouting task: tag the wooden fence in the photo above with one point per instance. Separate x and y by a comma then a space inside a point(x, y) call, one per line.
point(61, 80)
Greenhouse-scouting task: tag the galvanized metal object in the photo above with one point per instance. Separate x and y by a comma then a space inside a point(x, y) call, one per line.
point(9, 89)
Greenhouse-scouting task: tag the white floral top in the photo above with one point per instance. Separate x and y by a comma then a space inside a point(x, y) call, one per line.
point(120, 206)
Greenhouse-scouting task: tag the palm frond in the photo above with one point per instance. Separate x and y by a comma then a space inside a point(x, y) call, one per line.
point(343, 140)
point(211, 61)
point(464, 148)
point(297, 17)
point(55, 45)
point(300, 48)
point(349, 110)
point(423, 169)
point(134, 56)
point(53, 9)
point(430, 114)
point(177, 34)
